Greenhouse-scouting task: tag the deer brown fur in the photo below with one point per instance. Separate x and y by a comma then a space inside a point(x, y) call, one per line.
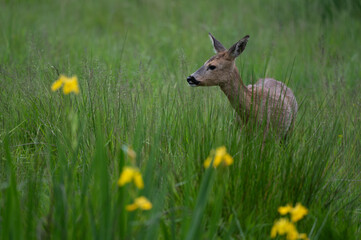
point(268, 102)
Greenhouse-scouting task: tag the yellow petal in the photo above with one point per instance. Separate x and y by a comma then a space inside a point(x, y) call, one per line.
point(221, 151)
point(284, 210)
point(217, 160)
point(298, 212)
point(56, 85)
point(273, 231)
point(63, 78)
point(143, 203)
point(71, 85)
point(227, 159)
point(131, 207)
point(138, 180)
point(75, 85)
point(126, 176)
point(283, 226)
point(207, 162)
point(146, 206)
point(292, 234)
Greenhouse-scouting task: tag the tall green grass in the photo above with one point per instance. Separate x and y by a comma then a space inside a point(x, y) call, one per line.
point(61, 155)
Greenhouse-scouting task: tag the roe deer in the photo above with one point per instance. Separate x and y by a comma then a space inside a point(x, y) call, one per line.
point(268, 101)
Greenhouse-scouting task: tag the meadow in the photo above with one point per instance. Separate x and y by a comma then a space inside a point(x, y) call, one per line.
point(61, 155)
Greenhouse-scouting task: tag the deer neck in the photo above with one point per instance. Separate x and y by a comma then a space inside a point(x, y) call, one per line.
point(237, 93)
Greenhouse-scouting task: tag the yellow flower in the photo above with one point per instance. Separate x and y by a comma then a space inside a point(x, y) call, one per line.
point(138, 180)
point(284, 226)
point(70, 84)
point(128, 174)
point(220, 156)
point(207, 162)
point(284, 210)
point(298, 212)
point(220, 152)
point(56, 85)
point(228, 160)
point(141, 202)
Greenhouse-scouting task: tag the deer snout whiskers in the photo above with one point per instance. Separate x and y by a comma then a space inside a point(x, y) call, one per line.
point(192, 81)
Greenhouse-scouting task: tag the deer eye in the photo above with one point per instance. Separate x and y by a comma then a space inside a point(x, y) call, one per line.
point(211, 67)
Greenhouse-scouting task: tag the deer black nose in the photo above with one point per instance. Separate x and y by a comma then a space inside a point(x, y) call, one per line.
point(190, 78)
point(192, 81)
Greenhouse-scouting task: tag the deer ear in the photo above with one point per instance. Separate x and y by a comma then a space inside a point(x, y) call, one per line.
point(218, 47)
point(238, 47)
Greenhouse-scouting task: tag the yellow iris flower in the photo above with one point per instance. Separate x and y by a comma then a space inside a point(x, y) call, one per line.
point(57, 84)
point(284, 227)
point(220, 156)
point(141, 203)
point(284, 210)
point(297, 213)
point(131, 174)
point(69, 84)
point(281, 227)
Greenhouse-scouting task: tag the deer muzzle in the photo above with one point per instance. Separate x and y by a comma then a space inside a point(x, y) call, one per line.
point(192, 81)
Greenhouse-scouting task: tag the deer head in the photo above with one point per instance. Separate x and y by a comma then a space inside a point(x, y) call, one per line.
point(220, 68)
